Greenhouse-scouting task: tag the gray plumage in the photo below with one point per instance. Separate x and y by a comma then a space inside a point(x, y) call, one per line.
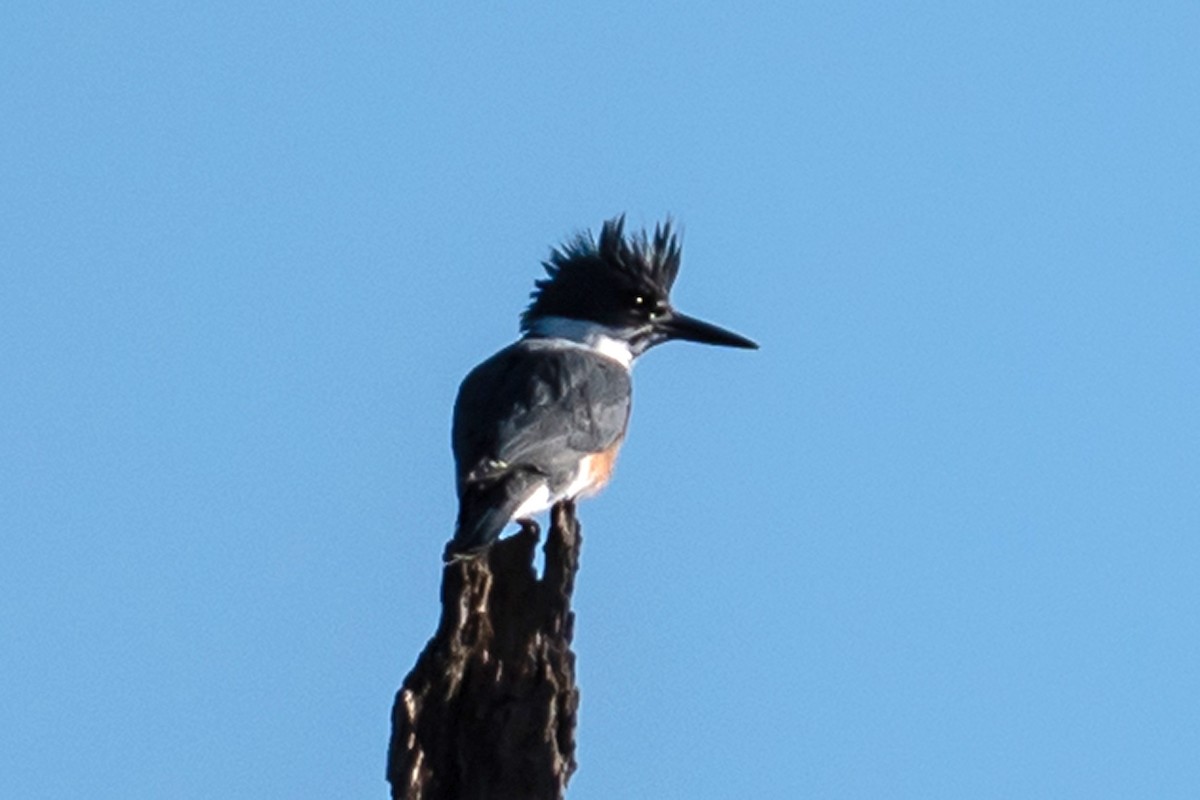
point(541, 420)
point(525, 418)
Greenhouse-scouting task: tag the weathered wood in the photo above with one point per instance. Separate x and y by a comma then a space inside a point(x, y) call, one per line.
point(489, 709)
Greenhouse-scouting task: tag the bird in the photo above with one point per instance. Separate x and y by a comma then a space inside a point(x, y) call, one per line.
point(542, 420)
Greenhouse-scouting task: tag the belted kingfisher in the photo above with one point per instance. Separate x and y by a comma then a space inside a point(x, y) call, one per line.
point(542, 420)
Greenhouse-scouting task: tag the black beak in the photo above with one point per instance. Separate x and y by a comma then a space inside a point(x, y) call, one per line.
point(680, 326)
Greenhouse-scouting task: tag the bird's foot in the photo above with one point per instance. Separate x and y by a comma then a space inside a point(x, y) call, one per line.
point(530, 526)
point(453, 556)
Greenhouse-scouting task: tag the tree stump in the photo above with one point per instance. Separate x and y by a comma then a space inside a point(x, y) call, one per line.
point(489, 709)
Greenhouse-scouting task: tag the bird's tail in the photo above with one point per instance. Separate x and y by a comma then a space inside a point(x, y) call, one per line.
point(485, 508)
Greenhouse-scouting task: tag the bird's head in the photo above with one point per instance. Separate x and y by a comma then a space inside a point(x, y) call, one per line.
point(619, 285)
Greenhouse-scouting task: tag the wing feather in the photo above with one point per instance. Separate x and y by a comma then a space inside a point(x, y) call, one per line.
point(536, 406)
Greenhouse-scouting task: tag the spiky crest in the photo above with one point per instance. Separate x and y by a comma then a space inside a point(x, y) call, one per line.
point(580, 268)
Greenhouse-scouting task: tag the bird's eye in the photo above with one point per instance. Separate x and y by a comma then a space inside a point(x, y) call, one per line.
point(639, 300)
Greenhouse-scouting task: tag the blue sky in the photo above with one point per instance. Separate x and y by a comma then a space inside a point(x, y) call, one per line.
point(936, 539)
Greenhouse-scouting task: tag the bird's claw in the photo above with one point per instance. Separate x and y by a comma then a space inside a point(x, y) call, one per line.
point(530, 526)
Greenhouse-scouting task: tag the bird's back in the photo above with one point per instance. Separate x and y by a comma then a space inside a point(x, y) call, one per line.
point(540, 404)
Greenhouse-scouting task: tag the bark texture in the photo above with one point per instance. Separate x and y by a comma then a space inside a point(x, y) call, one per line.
point(489, 710)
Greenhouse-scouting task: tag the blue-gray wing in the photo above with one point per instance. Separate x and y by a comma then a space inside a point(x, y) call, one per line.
point(537, 407)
